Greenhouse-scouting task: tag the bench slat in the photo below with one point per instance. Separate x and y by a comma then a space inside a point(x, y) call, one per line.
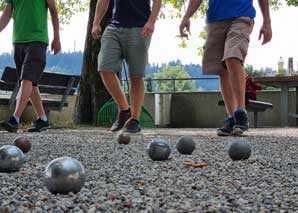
point(49, 103)
point(259, 104)
point(9, 75)
point(58, 79)
point(48, 78)
point(253, 104)
point(55, 90)
point(6, 86)
point(43, 89)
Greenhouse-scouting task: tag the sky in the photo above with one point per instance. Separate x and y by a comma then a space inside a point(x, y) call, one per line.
point(164, 45)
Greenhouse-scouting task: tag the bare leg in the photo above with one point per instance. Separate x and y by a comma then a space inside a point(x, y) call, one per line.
point(136, 96)
point(237, 80)
point(36, 102)
point(113, 85)
point(228, 93)
point(42, 123)
point(23, 96)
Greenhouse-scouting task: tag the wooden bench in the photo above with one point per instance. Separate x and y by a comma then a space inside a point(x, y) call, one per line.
point(253, 106)
point(50, 83)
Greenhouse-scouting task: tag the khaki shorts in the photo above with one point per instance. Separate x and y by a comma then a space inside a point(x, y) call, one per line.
point(118, 44)
point(226, 39)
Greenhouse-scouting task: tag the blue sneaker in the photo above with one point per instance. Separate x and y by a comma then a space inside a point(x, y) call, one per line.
point(241, 122)
point(11, 125)
point(227, 129)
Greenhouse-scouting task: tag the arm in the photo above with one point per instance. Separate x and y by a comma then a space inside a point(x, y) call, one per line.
point(149, 26)
point(101, 9)
point(5, 17)
point(266, 30)
point(185, 23)
point(56, 45)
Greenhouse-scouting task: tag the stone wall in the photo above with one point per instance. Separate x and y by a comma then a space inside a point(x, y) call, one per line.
point(197, 109)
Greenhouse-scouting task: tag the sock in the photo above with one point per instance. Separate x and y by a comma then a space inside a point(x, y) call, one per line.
point(17, 118)
point(128, 110)
point(240, 111)
point(230, 117)
point(43, 117)
point(137, 121)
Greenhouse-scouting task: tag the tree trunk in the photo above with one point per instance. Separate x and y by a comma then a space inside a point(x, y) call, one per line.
point(92, 93)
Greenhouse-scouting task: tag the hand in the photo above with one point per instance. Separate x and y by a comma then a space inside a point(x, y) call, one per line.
point(56, 46)
point(266, 32)
point(185, 23)
point(96, 31)
point(148, 29)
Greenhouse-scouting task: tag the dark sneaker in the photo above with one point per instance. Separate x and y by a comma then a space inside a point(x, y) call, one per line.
point(11, 125)
point(132, 126)
point(39, 125)
point(241, 122)
point(227, 129)
point(123, 116)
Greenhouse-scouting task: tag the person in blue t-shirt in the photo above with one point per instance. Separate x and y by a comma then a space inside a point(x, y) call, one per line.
point(126, 38)
point(229, 25)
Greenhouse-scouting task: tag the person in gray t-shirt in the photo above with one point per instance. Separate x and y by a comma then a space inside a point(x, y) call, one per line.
point(126, 38)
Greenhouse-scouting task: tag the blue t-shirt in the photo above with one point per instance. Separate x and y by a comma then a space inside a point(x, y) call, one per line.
point(219, 10)
point(130, 13)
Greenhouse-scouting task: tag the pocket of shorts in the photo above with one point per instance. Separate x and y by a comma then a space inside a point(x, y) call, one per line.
point(135, 39)
point(247, 31)
point(249, 23)
point(37, 52)
point(246, 34)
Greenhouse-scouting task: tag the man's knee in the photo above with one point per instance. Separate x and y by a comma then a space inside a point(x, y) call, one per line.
point(107, 74)
point(136, 79)
point(232, 62)
point(224, 75)
point(24, 81)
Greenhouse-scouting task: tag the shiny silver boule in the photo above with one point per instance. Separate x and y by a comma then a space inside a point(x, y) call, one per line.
point(11, 158)
point(64, 175)
point(159, 150)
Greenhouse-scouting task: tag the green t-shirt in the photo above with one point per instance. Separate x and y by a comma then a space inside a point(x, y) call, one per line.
point(30, 20)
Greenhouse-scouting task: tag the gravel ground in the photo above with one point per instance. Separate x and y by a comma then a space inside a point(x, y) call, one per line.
point(126, 180)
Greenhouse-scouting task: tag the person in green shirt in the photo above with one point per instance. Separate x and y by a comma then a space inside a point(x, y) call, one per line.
point(30, 41)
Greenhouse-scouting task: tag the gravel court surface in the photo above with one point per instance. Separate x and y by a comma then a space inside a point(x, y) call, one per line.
point(125, 179)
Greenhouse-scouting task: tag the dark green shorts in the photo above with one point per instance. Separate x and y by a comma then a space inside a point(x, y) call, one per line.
point(118, 44)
